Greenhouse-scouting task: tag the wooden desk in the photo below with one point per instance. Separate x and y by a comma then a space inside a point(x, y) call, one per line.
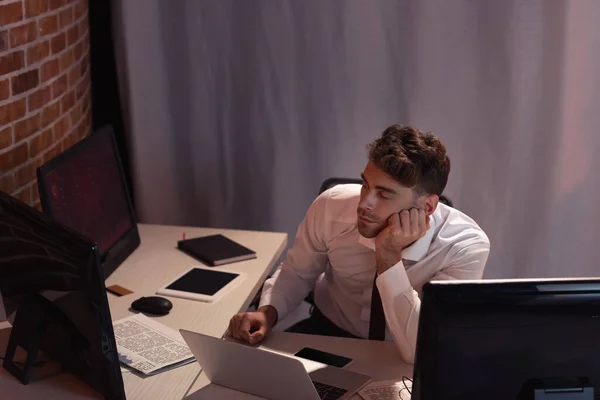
point(152, 265)
point(380, 360)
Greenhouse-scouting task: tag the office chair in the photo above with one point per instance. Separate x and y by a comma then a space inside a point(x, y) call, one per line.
point(327, 184)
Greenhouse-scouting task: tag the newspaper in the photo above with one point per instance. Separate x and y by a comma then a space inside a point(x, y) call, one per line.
point(149, 346)
point(387, 390)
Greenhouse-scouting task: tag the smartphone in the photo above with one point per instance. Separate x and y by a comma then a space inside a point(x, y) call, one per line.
point(323, 357)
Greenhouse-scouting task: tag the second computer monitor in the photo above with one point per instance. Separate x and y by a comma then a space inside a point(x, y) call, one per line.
point(84, 188)
point(498, 340)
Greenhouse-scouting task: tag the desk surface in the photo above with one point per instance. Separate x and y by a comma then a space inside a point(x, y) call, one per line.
point(380, 360)
point(149, 267)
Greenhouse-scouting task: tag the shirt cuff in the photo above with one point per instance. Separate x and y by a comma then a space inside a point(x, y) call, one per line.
point(394, 281)
point(277, 300)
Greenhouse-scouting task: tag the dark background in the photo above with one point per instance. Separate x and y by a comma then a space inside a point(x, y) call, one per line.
point(106, 102)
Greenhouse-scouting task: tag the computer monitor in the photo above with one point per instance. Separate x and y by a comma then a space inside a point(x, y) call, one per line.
point(84, 188)
point(502, 339)
point(53, 289)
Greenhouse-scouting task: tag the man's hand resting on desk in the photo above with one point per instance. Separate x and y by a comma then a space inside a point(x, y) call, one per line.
point(253, 327)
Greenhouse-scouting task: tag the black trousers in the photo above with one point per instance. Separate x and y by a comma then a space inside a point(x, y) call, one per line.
point(319, 324)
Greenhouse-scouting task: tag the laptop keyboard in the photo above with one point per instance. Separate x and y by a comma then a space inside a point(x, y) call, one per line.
point(328, 392)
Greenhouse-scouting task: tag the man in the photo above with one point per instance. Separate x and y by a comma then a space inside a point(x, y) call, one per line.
point(367, 250)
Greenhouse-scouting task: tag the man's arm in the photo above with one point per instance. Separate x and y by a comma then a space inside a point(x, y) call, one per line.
point(304, 262)
point(401, 303)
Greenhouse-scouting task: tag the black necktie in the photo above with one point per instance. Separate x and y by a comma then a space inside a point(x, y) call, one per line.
point(377, 323)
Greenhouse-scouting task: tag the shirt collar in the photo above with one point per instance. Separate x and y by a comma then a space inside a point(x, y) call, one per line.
point(414, 252)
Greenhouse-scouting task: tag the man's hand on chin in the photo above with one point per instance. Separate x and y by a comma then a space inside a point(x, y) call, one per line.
point(403, 229)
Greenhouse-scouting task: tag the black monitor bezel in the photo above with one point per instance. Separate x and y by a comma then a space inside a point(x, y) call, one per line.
point(437, 295)
point(96, 289)
point(128, 242)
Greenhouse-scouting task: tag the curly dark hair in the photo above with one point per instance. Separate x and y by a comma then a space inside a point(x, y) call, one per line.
point(415, 159)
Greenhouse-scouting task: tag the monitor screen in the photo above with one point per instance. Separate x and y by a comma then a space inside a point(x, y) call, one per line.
point(53, 289)
point(488, 340)
point(84, 188)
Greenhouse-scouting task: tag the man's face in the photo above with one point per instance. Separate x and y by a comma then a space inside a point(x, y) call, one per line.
point(380, 197)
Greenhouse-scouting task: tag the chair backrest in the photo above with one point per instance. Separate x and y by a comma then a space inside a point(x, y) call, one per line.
point(331, 182)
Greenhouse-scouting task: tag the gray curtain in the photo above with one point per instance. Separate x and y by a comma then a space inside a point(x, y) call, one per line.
point(238, 110)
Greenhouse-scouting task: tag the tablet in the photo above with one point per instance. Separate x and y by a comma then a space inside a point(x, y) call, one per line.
point(201, 284)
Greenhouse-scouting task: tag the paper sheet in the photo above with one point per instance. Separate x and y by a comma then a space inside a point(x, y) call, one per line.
point(386, 390)
point(149, 346)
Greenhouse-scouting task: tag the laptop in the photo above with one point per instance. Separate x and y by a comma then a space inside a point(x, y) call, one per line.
point(268, 374)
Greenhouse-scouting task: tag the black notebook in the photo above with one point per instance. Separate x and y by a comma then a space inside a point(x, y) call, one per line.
point(215, 250)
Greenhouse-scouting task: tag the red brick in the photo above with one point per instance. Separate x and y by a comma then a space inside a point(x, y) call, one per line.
point(27, 127)
point(53, 152)
point(58, 43)
point(13, 111)
point(72, 34)
point(54, 4)
point(81, 89)
point(11, 13)
point(80, 9)
point(49, 70)
point(39, 98)
point(12, 62)
point(84, 66)
point(7, 183)
point(85, 132)
point(65, 17)
point(78, 52)
point(25, 81)
point(24, 195)
point(19, 35)
point(84, 125)
point(51, 113)
point(68, 100)
point(61, 128)
point(13, 157)
point(35, 7)
point(48, 25)
point(4, 89)
point(66, 60)
point(40, 142)
point(38, 52)
point(69, 140)
point(3, 40)
point(85, 40)
point(60, 86)
point(74, 75)
point(6, 137)
point(85, 100)
point(27, 172)
point(75, 114)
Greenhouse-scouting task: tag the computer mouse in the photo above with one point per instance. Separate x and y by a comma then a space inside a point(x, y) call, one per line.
point(152, 305)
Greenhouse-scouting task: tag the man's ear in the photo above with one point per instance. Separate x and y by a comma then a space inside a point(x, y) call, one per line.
point(430, 203)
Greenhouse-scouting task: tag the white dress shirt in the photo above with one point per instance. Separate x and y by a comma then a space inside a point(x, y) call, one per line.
point(329, 255)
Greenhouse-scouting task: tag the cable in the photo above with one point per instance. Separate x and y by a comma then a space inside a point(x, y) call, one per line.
point(404, 379)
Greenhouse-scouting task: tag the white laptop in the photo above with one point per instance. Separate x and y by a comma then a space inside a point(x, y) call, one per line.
point(268, 374)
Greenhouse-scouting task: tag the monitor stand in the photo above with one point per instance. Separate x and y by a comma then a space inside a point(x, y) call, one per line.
point(31, 321)
point(563, 388)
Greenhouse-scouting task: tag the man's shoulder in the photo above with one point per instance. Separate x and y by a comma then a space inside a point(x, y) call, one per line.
point(340, 202)
point(457, 228)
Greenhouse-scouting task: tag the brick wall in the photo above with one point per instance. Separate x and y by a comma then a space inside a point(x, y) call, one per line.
point(44, 87)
